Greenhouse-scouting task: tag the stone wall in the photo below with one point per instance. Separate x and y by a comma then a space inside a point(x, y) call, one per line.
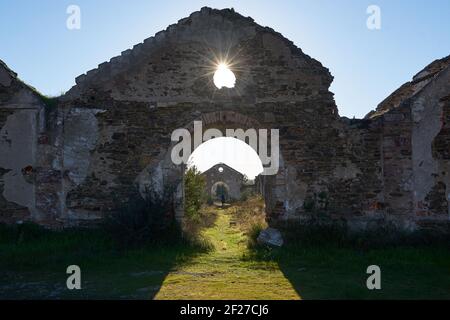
point(111, 132)
point(413, 123)
point(438, 198)
point(21, 115)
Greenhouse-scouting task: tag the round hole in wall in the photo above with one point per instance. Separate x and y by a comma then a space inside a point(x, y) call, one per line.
point(224, 77)
point(220, 169)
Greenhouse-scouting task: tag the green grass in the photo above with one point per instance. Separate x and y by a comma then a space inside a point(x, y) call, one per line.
point(330, 272)
point(33, 264)
point(222, 273)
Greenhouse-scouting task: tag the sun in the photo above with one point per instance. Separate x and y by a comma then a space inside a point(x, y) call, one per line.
point(224, 77)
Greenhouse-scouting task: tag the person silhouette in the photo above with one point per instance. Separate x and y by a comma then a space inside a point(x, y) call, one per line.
point(222, 197)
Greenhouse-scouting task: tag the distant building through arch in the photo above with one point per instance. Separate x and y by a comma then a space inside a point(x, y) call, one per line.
point(228, 177)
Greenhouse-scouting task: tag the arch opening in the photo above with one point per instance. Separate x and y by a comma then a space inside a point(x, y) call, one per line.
point(229, 151)
point(229, 168)
point(220, 191)
point(270, 187)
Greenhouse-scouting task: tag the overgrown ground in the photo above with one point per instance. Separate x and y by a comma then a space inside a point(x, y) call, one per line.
point(33, 265)
point(225, 272)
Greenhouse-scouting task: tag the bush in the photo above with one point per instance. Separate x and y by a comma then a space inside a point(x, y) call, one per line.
point(253, 233)
point(195, 197)
point(246, 194)
point(143, 220)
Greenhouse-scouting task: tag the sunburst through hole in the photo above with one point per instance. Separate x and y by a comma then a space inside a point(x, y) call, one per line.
point(224, 77)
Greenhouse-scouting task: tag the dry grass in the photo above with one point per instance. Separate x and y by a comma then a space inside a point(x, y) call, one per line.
point(192, 227)
point(249, 213)
point(250, 217)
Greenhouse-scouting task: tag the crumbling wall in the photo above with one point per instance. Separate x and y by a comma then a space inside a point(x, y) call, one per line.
point(21, 116)
point(414, 143)
point(430, 172)
point(438, 198)
point(166, 83)
point(72, 163)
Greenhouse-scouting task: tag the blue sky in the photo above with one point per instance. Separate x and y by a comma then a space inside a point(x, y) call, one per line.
point(367, 64)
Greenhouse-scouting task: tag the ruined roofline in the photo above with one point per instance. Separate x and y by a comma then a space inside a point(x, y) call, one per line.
point(13, 80)
point(432, 69)
point(121, 62)
point(221, 164)
point(4, 66)
point(411, 88)
point(125, 57)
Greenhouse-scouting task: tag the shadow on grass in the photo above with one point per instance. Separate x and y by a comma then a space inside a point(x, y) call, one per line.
point(326, 262)
point(334, 272)
point(33, 263)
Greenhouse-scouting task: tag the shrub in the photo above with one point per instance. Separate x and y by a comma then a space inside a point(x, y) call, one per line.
point(247, 193)
point(195, 197)
point(253, 233)
point(143, 220)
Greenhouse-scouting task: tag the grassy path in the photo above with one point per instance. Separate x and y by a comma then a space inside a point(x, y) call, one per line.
point(223, 274)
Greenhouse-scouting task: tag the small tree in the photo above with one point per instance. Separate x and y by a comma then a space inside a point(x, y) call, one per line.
point(195, 196)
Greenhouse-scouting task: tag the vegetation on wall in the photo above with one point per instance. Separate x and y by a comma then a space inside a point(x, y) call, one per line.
point(317, 204)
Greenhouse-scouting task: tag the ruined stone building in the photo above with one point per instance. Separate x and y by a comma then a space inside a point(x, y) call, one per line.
point(223, 176)
point(64, 160)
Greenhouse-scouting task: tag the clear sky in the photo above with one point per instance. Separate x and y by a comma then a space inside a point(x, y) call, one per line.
point(367, 65)
point(235, 153)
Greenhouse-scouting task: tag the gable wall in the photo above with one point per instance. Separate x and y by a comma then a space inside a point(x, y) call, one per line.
point(112, 132)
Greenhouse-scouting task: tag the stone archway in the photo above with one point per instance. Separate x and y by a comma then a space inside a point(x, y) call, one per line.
point(166, 172)
point(220, 188)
